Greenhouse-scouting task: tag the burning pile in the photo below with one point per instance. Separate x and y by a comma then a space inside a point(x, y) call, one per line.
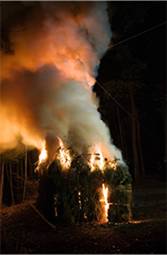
point(86, 187)
point(46, 84)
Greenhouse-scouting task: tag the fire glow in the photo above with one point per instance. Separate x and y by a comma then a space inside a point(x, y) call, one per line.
point(48, 86)
point(105, 203)
point(43, 155)
point(62, 77)
point(94, 163)
point(64, 156)
point(96, 159)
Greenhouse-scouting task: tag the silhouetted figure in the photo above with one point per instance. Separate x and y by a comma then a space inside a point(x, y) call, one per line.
point(45, 201)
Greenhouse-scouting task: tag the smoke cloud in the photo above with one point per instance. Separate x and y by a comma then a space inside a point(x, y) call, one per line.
point(46, 84)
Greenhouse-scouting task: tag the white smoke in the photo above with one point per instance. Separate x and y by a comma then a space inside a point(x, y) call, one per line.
point(47, 82)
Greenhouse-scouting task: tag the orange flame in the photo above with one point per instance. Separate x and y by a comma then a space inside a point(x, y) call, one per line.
point(43, 155)
point(113, 164)
point(97, 160)
point(104, 203)
point(64, 156)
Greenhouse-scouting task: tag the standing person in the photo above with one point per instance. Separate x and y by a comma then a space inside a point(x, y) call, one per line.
point(45, 200)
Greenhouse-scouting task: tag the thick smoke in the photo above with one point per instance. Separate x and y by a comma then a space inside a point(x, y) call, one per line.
point(46, 84)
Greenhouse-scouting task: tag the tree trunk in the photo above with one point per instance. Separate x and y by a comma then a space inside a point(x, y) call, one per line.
point(140, 147)
point(134, 136)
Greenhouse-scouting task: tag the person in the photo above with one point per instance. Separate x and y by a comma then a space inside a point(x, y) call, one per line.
point(46, 191)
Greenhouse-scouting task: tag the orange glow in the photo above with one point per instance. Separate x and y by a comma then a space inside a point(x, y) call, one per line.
point(43, 155)
point(97, 160)
point(74, 58)
point(104, 203)
point(64, 156)
point(112, 164)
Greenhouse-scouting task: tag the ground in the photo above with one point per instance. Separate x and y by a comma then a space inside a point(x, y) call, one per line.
point(24, 231)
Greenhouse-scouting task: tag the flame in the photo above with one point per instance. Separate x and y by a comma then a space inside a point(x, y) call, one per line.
point(104, 203)
point(64, 156)
point(113, 164)
point(97, 159)
point(43, 156)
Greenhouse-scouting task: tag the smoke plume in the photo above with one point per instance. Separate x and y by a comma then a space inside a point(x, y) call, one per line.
point(46, 84)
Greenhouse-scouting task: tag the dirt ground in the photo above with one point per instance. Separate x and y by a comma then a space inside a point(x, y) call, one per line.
point(24, 231)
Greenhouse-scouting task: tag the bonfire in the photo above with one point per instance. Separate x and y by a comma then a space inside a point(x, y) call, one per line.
point(49, 103)
point(85, 186)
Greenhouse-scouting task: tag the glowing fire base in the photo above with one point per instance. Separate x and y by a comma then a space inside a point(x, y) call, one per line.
point(82, 195)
